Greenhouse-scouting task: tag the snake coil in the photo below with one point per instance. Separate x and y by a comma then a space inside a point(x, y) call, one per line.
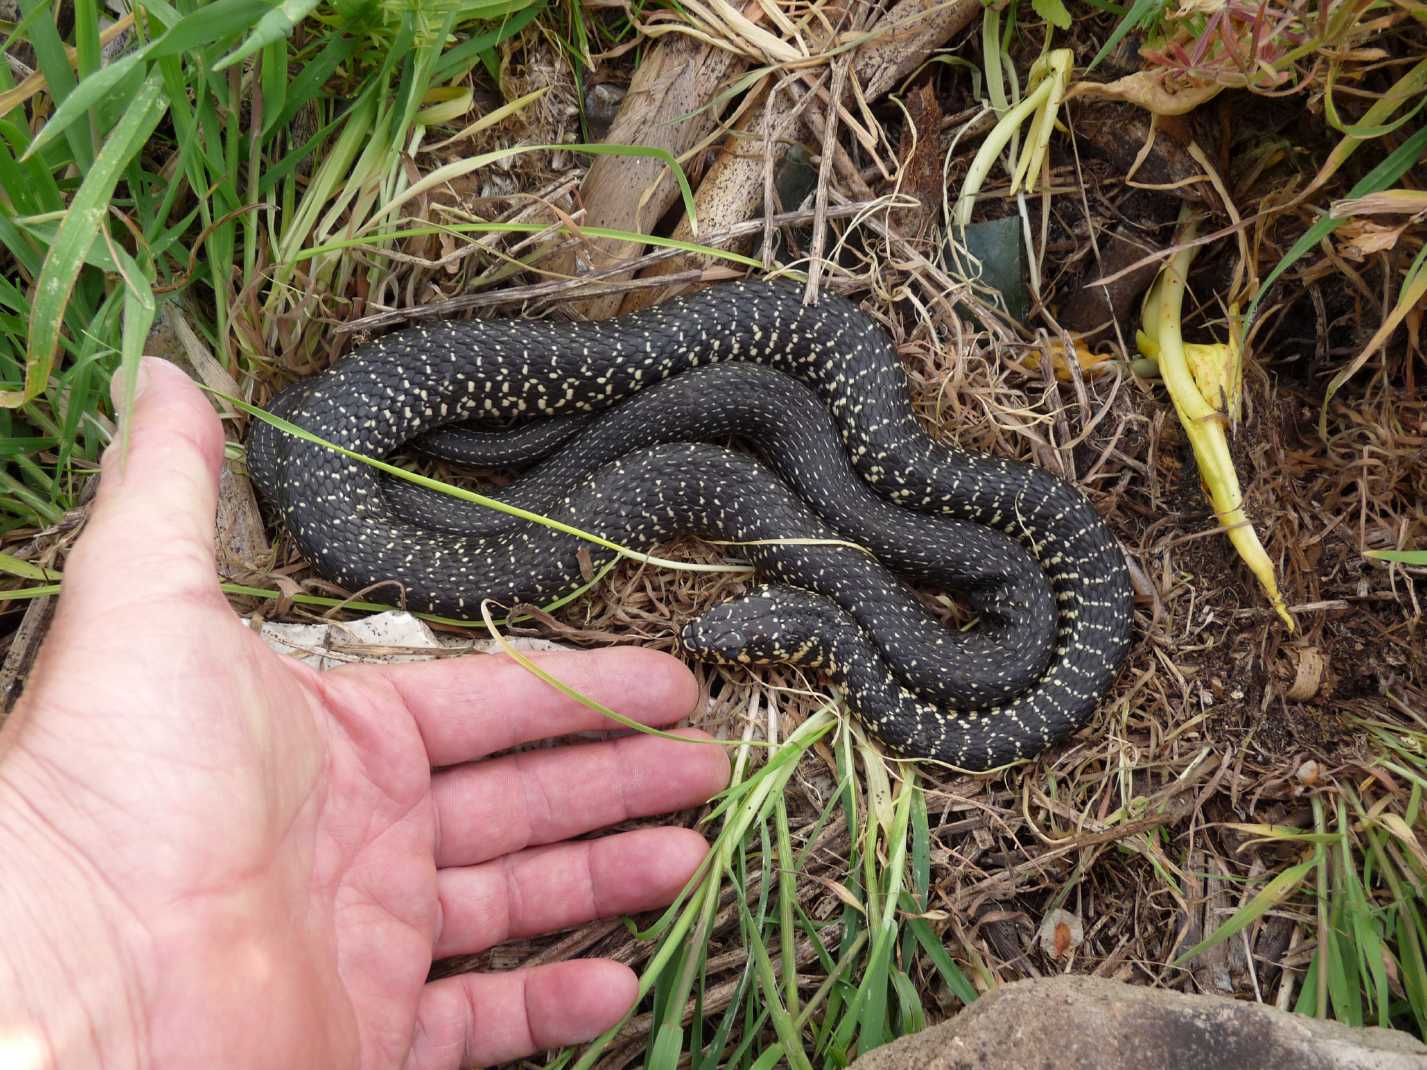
point(821, 394)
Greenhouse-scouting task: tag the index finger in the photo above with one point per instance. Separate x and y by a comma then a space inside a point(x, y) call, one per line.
point(469, 707)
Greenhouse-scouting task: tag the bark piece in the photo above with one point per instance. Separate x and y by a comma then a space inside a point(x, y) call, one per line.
point(677, 78)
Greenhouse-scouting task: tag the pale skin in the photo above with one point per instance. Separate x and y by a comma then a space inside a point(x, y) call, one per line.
point(211, 854)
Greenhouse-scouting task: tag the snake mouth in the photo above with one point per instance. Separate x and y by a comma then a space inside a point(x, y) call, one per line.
point(715, 638)
point(770, 625)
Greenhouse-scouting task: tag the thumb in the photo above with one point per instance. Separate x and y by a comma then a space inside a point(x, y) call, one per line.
point(151, 529)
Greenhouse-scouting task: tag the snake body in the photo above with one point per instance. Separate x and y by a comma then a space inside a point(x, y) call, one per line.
point(786, 422)
point(1054, 609)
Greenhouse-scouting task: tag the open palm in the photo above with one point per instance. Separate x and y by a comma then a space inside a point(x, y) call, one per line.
point(227, 858)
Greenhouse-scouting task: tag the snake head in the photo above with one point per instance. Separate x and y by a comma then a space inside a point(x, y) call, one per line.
point(767, 626)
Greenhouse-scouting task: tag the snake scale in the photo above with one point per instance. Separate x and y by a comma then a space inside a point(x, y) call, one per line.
point(819, 392)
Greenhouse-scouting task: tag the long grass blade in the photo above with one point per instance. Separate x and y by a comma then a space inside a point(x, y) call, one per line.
point(1405, 156)
point(77, 232)
point(1272, 893)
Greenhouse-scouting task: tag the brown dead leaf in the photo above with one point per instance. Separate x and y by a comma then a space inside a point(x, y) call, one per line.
point(1190, 8)
point(1161, 92)
point(1409, 202)
point(842, 892)
point(1358, 239)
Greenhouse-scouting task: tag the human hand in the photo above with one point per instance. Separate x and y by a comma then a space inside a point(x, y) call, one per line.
point(211, 854)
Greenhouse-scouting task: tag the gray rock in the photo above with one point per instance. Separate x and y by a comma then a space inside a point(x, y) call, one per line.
point(1085, 1023)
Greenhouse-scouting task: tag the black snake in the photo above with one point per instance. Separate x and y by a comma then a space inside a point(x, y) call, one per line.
point(820, 392)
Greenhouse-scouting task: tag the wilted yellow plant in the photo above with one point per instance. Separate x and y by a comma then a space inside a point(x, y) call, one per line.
point(1205, 382)
point(1045, 89)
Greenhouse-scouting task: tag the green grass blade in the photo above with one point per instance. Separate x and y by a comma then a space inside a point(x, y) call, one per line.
point(658, 241)
point(458, 168)
point(1322, 894)
point(1413, 963)
point(1397, 163)
point(668, 1044)
point(139, 310)
point(783, 1025)
point(274, 78)
point(950, 972)
point(921, 850)
point(89, 93)
point(53, 63)
point(76, 234)
point(26, 570)
point(455, 62)
point(30, 187)
point(787, 901)
point(276, 25)
point(1405, 557)
point(86, 37)
point(1366, 947)
point(470, 496)
point(208, 24)
point(1272, 893)
point(1307, 1002)
point(769, 1059)
point(1137, 16)
point(1372, 125)
point(1344, 992)
point(869, 1007)
point(307, 85)
point(911, 1015)
point(713, 1053)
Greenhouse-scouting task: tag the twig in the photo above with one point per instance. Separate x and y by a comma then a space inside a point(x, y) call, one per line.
point(815, 256)
point(534, 291)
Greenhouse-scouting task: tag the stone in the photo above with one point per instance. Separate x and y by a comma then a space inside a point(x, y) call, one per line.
point(393, 636)
point(1087, 1023)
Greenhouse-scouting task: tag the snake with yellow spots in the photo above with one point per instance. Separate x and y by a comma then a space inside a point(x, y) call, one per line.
point(632, 408)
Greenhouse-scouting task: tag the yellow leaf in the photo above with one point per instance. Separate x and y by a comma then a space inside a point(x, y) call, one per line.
point(1218, 373)
point(1202, 420)
point(1091, 363)
point(1403, 831)
point(444, 104)
point(493, 117)
point(879, 788)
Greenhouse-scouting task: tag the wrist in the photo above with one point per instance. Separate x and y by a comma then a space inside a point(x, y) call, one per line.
point(70, 991)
